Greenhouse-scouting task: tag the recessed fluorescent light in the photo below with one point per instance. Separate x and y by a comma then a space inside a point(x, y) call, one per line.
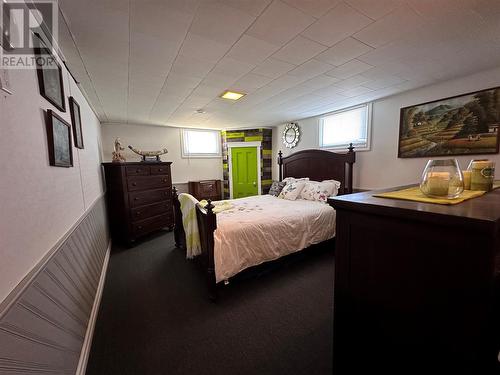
point(231, 95)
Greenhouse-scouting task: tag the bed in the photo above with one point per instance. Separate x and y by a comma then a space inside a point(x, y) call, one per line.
point(264, 228)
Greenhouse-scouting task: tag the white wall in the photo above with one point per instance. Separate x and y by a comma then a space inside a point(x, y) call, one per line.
point(380, 167)
point(40, 203)
point(148, 137)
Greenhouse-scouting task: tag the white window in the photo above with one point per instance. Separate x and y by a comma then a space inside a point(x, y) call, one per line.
point(201, 143)
point(350, 125)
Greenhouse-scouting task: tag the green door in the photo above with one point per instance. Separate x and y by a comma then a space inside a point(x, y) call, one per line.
point(244, 171)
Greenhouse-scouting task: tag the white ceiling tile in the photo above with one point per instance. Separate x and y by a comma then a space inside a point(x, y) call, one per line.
point(251, 50)
point(232, 68)
point(299, 50)
point(356, 91)
point(403, 20)
point(344, 51)
point(339, 23)
point(328, 91)
point(251, 82)
point(252, 7)
point(220, 22)
point(204, 49)
point(315, 8)
point(279, 23)
point(310, 69)
point(353, 81)
point(189, 66)
point(273, 68)
point(382, 83)
point(320, 81)
point(349, 69)
point(375, 9)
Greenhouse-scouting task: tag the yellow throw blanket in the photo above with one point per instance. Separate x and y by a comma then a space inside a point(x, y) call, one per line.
point(190, 224)
point(414, 194)
point(219, 205)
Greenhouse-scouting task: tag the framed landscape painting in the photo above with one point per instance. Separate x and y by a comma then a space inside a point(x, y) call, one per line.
point(460, 125)
point(59, 141)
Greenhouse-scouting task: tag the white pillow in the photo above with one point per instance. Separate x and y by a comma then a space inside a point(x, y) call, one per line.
point(292, 190)
point(319, 191)
point(293, 179)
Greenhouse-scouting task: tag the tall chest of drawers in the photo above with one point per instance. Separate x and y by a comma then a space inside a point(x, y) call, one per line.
point(139, 197)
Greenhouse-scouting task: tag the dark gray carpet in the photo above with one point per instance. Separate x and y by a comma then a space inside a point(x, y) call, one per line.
point(155, 317)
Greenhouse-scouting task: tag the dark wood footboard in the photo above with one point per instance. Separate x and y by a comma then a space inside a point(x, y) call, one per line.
point(207, 223)
point(179, 234)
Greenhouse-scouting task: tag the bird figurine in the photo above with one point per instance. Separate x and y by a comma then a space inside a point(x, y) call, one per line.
point(147, 155)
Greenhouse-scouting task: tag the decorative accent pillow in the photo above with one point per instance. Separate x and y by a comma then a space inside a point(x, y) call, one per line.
point(320, 191)
point(292, 190)
point(276, 188)
point(293, 179)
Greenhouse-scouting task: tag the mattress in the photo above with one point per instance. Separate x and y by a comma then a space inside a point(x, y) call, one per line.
point(263, 228)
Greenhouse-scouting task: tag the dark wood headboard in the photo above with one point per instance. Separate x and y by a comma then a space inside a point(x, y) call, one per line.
point(319, 165)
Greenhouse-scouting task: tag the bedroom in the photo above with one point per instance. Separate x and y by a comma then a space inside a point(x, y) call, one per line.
point(93, 273)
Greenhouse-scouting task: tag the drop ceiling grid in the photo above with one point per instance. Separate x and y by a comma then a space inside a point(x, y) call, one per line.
point(360, 45)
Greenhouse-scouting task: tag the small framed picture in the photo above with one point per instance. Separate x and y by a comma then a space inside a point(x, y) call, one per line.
point(50, 81)
point(76, 121)
point(59, 141)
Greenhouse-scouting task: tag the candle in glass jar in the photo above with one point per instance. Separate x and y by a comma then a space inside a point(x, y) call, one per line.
point(438, 183)
point(483, 174)
point(467, 175)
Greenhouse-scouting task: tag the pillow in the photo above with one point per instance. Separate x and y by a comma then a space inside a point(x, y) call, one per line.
point(292, 190)
point(319, 191)
point(276, 188)
point(293, 179)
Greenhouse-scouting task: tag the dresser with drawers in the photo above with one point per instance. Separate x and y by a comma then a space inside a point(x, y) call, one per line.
point(206, 189)
point(139, 197)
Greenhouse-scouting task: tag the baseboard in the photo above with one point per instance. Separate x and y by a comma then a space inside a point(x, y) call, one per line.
point(87, 343)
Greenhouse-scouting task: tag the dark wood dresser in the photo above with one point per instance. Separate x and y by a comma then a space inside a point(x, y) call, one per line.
point(139, 197)
point(415, 286)
point(206, 189)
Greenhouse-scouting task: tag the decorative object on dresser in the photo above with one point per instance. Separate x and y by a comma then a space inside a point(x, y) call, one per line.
point(59, 140)
point(117, 152)
point(465, 124)
point(416, 285)
point(206, 189)
point(150, 156)
point(76, 121)
point(139, 199)
point(50, 81)
point(291, 135)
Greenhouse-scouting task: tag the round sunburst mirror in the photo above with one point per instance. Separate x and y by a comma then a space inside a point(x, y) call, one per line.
point(291, 135)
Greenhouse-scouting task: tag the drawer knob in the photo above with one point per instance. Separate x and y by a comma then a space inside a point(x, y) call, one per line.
point(139, 227)
point(138, 213)
point(134, 184)
point(136, 198)
point(137, 171)
point(164, 180)
point(160, 170)
point(166, 193)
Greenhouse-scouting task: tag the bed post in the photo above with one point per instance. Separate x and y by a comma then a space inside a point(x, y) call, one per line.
point(211, 222)
point(280, 165)
point(179, 235)
point(349, 169)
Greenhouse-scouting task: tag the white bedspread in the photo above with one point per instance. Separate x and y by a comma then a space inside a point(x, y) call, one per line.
point(262, 228)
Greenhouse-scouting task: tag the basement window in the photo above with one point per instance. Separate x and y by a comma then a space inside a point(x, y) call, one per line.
point(198, 143)
point(350, 125)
